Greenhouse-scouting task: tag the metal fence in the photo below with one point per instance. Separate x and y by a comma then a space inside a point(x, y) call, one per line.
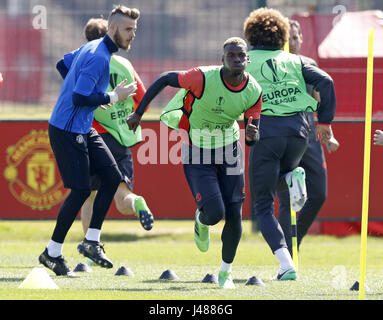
point(171, 35)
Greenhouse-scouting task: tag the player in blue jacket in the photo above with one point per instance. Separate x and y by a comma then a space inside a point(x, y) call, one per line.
point(78, 148)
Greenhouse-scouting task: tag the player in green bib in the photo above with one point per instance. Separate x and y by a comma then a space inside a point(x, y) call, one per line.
point(284, 129)
point(206, 110)
point(111, 125)
point(313, 162)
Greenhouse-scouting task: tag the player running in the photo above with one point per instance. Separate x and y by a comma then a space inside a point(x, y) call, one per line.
point(78, 148)
point(284, 129)
point(313, 162)
point(206, 109)
point(111, 126)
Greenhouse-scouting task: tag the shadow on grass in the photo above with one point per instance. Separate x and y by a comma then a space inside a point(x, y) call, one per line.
point(126, 289)
point(18, 267)
point(236, 281)
point(169, 281)
point(183, 288)
point(11, 279)
point(374, 294)
point(121, 237)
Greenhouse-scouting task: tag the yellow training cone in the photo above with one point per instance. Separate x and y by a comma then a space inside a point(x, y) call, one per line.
point(38, 278)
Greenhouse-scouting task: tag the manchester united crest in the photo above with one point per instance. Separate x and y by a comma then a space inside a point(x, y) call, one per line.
point(32, 174)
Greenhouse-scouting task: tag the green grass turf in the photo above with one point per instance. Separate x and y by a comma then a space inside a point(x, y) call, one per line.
point(328, 266)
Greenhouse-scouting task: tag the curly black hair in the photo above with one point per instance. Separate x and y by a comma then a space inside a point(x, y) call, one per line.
point(266, 27)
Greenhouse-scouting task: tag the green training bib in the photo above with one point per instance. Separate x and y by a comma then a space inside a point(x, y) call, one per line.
point(283, 88)
point(114, 118)
point(211, 119)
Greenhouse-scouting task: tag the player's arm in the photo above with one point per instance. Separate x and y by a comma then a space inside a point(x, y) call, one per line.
point(307, 60)
point(164, 80)
point(62, 68)
point(192, 80)
point(252, 121)
point(140, 92)
point(84, 95)
point(324, 84)
point(120, 93)
point(65, 63)
point(315, 94)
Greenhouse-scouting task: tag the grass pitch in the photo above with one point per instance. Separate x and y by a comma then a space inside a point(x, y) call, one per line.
point(328, 266)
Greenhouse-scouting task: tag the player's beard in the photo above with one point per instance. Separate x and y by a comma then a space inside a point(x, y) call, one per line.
point(119, 42)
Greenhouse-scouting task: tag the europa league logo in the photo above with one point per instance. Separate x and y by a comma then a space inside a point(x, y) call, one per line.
point(220, 101)
point(273, 71)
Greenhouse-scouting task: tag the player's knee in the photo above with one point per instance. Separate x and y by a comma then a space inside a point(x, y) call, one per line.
point(110, 176)
point(234, 213)
point(214, 211)
point(81, 194)
point(264, 208)
point(115, 177)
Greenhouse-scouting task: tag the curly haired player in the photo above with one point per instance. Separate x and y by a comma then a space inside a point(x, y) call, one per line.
point(284, 129)
point(313, 162)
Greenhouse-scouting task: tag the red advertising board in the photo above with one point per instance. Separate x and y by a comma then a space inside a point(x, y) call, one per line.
point(345, 174)
point(31, 187)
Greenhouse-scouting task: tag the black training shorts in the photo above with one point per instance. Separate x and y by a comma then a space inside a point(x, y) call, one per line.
point(124, 160)
point(220, 173)
point(78, 156)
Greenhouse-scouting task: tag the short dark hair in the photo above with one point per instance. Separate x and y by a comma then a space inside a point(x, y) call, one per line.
point(235, 40)
point(95, 28)
point(295, 23)
point(266, 27)
point(132, 13)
